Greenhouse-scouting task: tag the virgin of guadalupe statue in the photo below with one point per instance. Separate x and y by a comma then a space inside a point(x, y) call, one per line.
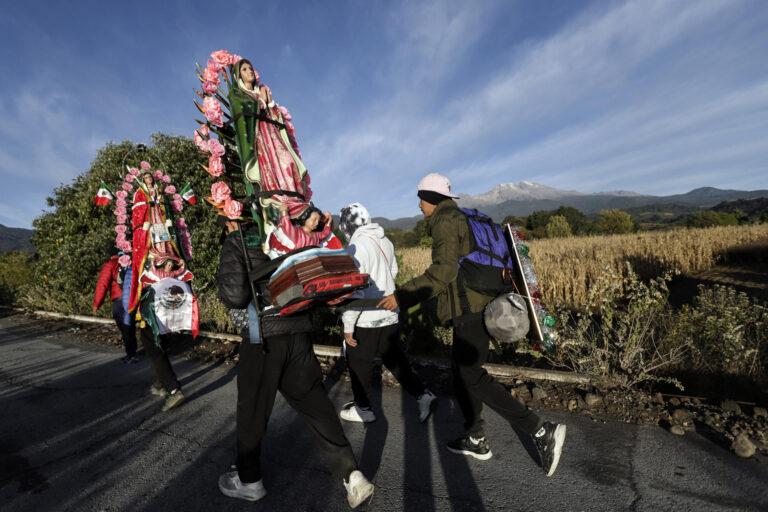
point(273, 160)
point(152, 238)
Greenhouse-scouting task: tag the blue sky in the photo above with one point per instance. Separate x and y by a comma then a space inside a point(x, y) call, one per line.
point(654, 97)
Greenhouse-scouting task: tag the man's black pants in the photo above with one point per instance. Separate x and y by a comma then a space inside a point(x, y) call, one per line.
point(381, 342)
point(164, 374)
point(127, 332)
point(473, 386)
point(286, 363)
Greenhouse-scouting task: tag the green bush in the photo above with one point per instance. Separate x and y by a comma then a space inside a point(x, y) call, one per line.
point(727, 332)
point(620, 339)
point(74, 238)
point(15, 273)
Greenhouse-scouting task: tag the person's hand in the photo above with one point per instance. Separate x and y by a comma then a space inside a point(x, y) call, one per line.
point(327, 218)
point(349, 340)
point(388, 302)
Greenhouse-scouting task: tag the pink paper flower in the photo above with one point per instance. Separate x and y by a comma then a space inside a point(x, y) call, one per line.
point(158, 174)
point(166, 178)
point(215, 167)
point(181, 223)
point(145, 166)
point(210, 87)
point(124, 245)
point(212, 111)
point(202, 145)
point(122, 218)
point(222, 57)
point(232, 208)
point(121, 194)
point(120, 210)
point(127, 187)
point(121, 229)
point(124, 260)
point(177, 207)
point(220, 192)
point(134, 172)
point(170, 189)
point(201, 135)
point(235, 58)
point(211, 74)
point(216, 148)
point(177, 197)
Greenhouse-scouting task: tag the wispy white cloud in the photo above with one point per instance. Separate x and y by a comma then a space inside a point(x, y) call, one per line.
point(606, 102)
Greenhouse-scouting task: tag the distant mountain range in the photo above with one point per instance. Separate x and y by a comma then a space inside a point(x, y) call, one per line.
point(525, 197)
point(15, 239)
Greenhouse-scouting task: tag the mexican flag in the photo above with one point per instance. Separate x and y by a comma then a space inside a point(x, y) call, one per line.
point(188, 194)
point(104, 196)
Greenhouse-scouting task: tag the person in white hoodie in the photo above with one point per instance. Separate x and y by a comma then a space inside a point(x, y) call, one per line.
point(370, 332)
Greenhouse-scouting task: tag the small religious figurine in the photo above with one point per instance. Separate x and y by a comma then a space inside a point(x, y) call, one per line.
point(151, 234)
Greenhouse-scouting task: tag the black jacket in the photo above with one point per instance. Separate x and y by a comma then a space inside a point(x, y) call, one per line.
point(235, 290)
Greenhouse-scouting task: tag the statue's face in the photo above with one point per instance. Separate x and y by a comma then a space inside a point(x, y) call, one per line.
point(148, 181)
point(168, 266)
point(311, 223)
point(247, 74)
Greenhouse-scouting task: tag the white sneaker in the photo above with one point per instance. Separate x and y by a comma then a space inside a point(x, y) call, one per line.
point(230, 485)
point(425, 405)
point(351, 412)
point(358, 489)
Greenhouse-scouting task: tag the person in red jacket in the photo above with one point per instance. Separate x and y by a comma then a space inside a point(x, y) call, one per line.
point(111, 279)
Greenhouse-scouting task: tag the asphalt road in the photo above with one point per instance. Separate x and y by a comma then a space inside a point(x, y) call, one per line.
point(78, 431)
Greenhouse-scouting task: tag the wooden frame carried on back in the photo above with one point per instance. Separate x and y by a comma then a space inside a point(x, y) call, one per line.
point(522, 285)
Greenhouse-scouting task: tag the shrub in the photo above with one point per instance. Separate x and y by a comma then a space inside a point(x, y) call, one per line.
point(558, 227)
point(620, 339)
point(727, 332)
point(15, 273)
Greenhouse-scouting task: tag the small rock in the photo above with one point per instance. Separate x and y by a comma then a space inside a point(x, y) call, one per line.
point(759, 412)
point(730, 406)
point(573, 404)
point(674, 401)
point(538, 394)
point(743, 446)
point(681, 415)
point(677, 430)
point(592, 400)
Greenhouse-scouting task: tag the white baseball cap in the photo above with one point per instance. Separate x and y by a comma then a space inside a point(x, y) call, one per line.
point(438, 183)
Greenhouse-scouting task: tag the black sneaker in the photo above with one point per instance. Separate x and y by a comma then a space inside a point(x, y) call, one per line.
point(549, 441)
point(474, 447)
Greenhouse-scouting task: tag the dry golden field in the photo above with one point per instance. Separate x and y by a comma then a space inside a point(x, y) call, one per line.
point(567, 267)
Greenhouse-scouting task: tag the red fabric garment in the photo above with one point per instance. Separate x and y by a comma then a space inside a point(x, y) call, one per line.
point(107, 280)
point(139, 216)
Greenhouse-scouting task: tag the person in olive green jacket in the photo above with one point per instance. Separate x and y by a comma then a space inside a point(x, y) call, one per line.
point(473, 386)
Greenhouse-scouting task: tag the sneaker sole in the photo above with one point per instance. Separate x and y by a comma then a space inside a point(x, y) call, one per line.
point(173, 405)
point(478, 456)
point(559, 442)
point(354, 419)
point(234, 494)
point(365, 495)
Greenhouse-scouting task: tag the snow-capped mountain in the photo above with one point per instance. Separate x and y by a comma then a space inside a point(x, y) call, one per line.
point(522, 191)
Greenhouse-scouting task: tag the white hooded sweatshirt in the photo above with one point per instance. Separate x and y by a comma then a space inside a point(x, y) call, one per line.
point(374, 255)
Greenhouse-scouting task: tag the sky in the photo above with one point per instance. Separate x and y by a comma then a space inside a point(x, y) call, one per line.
point(656, 97)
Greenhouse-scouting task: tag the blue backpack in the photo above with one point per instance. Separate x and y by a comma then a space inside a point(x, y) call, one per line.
point(488, 266)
